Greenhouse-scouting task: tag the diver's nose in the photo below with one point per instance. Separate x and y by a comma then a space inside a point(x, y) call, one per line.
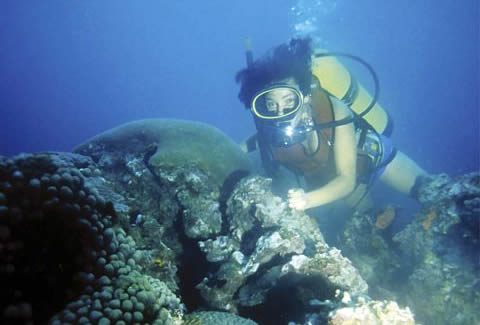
point(281, 108)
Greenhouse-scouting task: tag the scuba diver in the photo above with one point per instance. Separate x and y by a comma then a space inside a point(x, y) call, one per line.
point(313, 118)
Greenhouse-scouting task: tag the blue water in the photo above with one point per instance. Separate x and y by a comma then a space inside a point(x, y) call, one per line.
point(70, 70)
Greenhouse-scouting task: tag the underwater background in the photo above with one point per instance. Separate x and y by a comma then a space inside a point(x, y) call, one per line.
point(69, 71)
point(167, 225)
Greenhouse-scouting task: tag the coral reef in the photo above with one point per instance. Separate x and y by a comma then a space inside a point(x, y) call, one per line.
point(146, 223)
point(62, 258)
point(240, 228)
point(170, 177)
point(372, 312)
point(214, 318)
point(132, 248)
point(431, 265)
point(266, 244)
point(444, 243)
point(452, 207)
point(364, 243)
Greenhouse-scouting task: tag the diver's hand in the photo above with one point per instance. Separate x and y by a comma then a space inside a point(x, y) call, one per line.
point(297, 199)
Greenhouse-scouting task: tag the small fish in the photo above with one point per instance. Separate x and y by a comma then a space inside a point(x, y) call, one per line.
point(317, 302)
point(137, 220)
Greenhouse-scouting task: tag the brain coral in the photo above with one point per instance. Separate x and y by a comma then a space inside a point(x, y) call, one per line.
point(168, 143)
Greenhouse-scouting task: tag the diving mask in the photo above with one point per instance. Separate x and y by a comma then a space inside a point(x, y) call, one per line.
point(282, 115)
point(277, 102)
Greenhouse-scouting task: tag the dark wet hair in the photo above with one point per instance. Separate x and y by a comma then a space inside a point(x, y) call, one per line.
point(292, 60)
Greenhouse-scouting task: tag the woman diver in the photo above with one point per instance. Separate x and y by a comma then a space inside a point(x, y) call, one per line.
point(339, 146)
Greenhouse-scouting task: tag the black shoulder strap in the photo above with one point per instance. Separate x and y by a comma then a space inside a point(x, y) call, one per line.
point(268, 163)
point(251, 143)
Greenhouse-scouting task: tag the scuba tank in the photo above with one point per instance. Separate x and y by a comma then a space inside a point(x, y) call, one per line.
point(371, 120)
point(337, 80)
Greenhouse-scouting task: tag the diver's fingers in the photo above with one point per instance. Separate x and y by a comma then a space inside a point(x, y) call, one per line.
point(297, 207)
point(297, 196)
point(297, 203)
point(292, 195)
point(295, 192)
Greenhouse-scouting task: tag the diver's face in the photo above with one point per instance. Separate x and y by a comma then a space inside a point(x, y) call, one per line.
point(280, 101)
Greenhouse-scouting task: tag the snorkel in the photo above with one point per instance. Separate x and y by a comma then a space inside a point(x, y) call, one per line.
point(248, 52)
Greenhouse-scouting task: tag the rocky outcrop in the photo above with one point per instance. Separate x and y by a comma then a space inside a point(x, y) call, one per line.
point(432, 265)
point(265, 245)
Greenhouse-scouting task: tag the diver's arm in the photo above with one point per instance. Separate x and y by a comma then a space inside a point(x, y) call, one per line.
point(345, 152)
